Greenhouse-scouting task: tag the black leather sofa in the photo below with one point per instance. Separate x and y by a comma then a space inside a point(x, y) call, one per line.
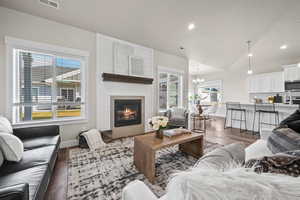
point(29, 178)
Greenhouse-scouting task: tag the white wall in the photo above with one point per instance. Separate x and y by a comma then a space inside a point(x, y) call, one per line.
point(234, 84)
point(24, 26)
point(28, 27)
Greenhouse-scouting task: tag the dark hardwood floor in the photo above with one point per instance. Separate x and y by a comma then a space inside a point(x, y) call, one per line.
point(57, 189)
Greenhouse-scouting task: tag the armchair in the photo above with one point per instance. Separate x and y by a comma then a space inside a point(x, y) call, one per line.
point(178, 117)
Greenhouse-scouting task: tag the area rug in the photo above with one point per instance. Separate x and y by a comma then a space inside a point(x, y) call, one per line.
point(102, 174)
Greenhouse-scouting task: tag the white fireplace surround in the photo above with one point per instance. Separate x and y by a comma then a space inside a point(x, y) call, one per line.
point(106, 90)
point(110, 89)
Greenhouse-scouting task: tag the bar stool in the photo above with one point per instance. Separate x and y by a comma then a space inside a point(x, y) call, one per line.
point(235, 107)
point(265, 108)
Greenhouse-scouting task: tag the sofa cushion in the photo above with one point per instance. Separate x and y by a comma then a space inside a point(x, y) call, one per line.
point(11, 146)
point(37, 178)
point(35, 157)
point(234, 183)
point(37, 142)
point(178, 113)
point(257, 149)
point(137, 190)
point(5, 125)
point(283, 139)
point(177, 122)
point(223, 156)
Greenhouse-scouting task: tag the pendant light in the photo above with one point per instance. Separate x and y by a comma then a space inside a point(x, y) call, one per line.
point(249, 57)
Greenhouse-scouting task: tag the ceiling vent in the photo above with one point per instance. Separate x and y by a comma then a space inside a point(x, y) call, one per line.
point(51, 3)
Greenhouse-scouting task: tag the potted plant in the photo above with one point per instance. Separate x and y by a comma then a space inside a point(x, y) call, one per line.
point(159, 123)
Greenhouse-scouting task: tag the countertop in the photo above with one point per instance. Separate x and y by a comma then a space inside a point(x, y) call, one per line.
point(276, 104)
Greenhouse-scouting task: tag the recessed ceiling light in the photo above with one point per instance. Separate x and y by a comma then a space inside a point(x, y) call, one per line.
point(283, 46)
point(191, 26)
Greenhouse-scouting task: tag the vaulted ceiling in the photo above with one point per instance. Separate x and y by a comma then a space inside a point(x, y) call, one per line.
point(218, 41)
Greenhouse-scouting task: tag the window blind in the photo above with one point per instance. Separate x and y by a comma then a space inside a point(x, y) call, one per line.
point(47, 86)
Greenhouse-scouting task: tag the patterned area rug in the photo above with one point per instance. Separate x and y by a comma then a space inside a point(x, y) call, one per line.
point(102, 174)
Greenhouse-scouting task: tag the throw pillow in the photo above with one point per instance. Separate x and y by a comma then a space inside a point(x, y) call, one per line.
point(11, 146)
point(279, 164)
point(220, 157)
point(5, 125)
point(283, 139)
point(292, 121)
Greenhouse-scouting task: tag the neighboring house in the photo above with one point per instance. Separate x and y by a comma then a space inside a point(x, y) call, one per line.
point(68, 88)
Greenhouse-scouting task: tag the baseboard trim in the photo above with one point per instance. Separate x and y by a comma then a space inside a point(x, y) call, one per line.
point(68, 143)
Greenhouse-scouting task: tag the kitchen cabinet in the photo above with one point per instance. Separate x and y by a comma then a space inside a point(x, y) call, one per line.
point(277, 82)
point(266, 83)
point(291, 72)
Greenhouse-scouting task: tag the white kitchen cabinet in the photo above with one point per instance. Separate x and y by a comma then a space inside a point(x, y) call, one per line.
point(277, 82)
point(291, 73)
point(266, 83)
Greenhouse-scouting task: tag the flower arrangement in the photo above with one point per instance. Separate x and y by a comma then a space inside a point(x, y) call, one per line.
point(159, 123)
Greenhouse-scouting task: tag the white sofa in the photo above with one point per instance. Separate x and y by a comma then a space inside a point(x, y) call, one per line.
point(137, 190)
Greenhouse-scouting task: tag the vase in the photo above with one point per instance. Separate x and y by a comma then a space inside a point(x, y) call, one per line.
point(159, 134)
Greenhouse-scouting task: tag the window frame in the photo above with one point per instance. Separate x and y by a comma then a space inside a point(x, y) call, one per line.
point(169, 72)
point(53, 50)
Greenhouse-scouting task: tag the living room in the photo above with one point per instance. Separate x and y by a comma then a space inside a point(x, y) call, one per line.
point(147, 100)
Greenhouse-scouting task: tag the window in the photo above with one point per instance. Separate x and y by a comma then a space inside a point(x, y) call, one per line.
point(209, 92)
point(67, 94)
point(170, 90)
point(46, 86)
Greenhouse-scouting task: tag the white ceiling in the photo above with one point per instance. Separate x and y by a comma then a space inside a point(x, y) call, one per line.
point(267, 53)
point(197, 68)
point(218, 41)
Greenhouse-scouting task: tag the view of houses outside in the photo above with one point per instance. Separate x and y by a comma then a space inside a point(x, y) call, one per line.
point(50, 87)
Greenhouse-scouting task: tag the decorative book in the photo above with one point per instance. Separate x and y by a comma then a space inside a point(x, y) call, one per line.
point(175, 132)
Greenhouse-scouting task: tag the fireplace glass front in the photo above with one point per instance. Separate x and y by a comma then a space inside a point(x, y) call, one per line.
point(127, 112)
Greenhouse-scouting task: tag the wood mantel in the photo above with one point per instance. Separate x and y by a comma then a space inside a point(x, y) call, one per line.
point(126, 78)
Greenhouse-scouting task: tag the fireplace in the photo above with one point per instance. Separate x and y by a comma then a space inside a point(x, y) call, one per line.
point(127, 112)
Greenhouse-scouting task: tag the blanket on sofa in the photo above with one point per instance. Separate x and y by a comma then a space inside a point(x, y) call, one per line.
point(279, 164)
point(283, 139)
point(232, 184)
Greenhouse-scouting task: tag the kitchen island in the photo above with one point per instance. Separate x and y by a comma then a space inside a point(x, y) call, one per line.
point(283, 109)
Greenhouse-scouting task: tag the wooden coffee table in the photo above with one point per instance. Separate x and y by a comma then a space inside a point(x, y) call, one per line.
point(146, 145)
